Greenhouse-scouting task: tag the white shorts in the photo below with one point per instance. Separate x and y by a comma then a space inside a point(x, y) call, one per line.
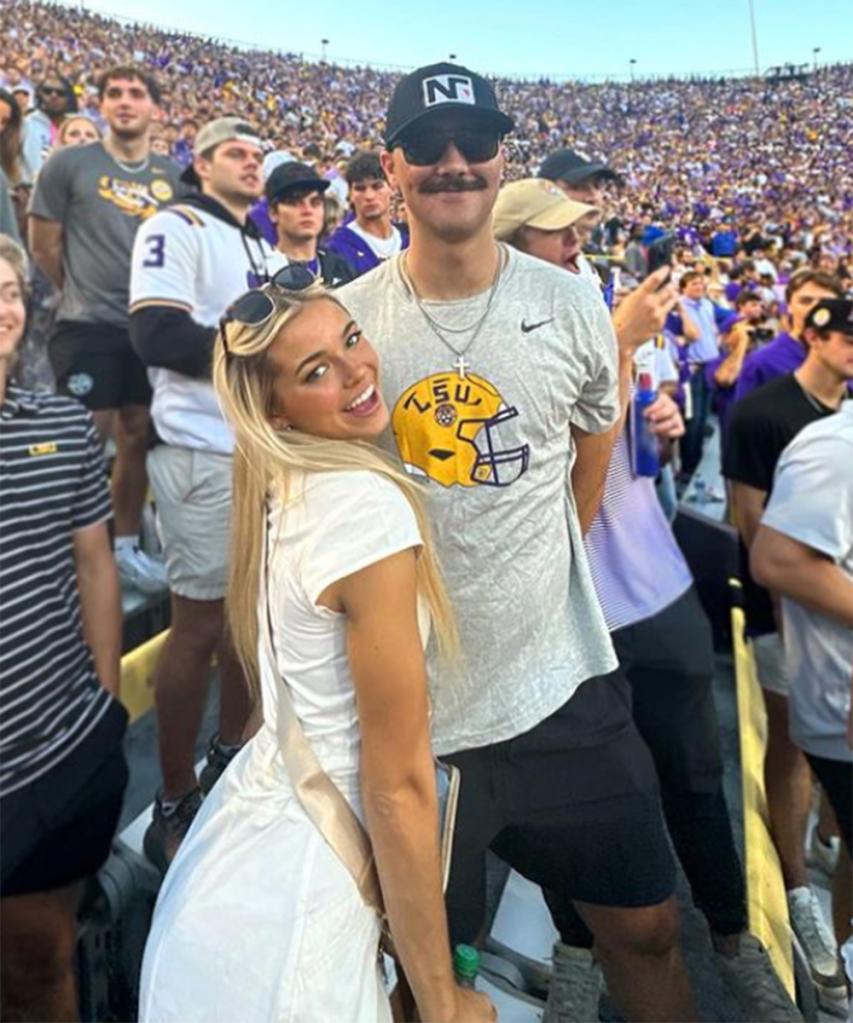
point(770, 663)
point(192, 490)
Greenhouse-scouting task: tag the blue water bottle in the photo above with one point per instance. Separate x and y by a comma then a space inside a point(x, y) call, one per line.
point(646, 449)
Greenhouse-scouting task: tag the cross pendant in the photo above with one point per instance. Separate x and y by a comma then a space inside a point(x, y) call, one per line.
point(461, 365)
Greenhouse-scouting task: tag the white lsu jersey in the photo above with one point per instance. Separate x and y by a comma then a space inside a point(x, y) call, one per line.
point(186, 257)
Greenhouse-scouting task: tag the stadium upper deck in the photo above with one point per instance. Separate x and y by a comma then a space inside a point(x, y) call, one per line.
point(775, 154)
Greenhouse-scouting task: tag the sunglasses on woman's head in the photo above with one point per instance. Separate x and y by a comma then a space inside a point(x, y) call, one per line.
point(256, 307)
point(477, 145)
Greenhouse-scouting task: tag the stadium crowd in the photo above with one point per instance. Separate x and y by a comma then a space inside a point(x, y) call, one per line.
point(689, 243)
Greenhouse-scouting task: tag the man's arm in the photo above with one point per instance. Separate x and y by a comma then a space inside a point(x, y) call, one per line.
point(748, 507)
point(100, 601)
point(168, 336)
point(45, 241)
point(638, 317)
point(805, 575)
point(689, 327)
point(163, 271)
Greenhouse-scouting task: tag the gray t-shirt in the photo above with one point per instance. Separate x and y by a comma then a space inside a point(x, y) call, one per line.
point(494, 450)
point(812, 502)
point(100, 204)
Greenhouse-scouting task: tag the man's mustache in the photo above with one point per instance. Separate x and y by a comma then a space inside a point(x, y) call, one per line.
point(441, 184)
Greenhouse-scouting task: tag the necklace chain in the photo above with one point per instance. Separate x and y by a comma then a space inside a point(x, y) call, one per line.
point(130, 168)
point(476, 327)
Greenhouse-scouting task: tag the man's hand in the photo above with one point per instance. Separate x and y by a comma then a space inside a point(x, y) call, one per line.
point(642, 314)
point(664, 417)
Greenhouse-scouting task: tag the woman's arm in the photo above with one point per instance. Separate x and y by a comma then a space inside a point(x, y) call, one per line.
point(100, 601)
point(398, 776)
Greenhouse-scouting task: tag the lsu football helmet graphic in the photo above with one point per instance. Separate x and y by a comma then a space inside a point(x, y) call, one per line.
point(448, 428)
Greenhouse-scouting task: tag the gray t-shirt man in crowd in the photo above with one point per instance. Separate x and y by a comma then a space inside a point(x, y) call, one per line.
point(86, 207)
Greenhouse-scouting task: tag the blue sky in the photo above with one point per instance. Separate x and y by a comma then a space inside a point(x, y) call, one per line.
point(530, 37)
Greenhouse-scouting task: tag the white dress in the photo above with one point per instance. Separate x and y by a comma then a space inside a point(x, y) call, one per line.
point(257, 919)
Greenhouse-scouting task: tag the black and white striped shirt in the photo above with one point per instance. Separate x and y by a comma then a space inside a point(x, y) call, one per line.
point(52, 483)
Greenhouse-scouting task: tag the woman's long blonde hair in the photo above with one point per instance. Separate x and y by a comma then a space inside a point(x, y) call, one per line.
point(265, 457)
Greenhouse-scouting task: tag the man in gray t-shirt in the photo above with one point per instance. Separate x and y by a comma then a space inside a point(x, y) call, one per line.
point(86, 207)
point(501, 375)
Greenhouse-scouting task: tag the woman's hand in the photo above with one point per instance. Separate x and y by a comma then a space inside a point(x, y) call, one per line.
point(473, 1007)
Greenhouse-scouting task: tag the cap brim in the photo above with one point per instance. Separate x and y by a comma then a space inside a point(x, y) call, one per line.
point(315, 184)
point(503, 123)
point(561, 215)
point(556, 218)
point(592, 170)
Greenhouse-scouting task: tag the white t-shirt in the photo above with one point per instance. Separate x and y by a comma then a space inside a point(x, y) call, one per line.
point(382, 248)
point(494, 450)
point(186, 257)
point(333, 525)
point(812, 502)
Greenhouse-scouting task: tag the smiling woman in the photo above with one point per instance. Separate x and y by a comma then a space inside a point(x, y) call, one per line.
point(329, 537)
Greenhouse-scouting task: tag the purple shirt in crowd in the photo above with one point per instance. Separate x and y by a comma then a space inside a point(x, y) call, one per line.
point(777, 358)
point(637, 567)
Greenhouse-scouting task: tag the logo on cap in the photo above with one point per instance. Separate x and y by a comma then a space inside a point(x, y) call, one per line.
point(821, 317)
point(448, 89)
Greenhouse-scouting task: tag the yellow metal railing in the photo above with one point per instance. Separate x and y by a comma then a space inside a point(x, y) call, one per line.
point(766, 899)
point(137, 667)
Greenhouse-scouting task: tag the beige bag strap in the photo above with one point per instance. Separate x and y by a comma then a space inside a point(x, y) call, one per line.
point(321, 799)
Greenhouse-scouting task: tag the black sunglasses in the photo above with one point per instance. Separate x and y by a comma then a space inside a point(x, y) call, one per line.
point(255, 307)
point(51, 90)
point(424, 149)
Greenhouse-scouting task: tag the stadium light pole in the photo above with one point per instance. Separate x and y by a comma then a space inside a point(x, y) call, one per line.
point(754, 37)
point(631, 64)
point(451, 56)
point(815, 52)
point(323, 44)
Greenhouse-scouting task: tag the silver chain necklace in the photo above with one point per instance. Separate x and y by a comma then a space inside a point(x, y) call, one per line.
point(133, 168)
point(461, 364)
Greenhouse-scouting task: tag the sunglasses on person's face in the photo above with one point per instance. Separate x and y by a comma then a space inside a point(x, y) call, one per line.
point(51, 90)
point(426, 148)
point(256, 307)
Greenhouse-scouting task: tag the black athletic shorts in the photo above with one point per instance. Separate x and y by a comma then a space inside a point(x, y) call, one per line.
point(836, 780)
point(580, 818)
point(96, 364)
point(59, 829)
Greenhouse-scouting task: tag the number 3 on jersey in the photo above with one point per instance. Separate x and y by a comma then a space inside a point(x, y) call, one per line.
point(156, 251)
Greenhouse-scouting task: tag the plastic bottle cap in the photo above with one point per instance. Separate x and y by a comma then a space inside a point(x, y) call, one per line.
point(466, 961)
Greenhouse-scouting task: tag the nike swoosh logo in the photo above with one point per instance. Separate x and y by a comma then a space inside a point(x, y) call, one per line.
point(527, 327)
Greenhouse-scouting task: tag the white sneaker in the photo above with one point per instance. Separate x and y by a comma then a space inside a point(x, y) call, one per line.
point(815, 937)
point(823, 856)
point(141, 571)
point(751, 978)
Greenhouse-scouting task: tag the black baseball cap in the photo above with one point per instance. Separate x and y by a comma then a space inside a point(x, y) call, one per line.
point(291, 175)
point(832, 314)
point(439, 87)
point(571, 167)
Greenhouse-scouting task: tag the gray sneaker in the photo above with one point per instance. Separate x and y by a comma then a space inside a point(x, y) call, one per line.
point(754, 983)
point(575, 987)
point(217, 760)
point(166, 831)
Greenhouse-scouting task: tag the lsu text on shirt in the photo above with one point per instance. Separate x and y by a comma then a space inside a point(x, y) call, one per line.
point(489, 436)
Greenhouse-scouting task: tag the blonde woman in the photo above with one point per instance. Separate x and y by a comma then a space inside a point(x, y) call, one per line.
point(77, 130)
point(258, 919)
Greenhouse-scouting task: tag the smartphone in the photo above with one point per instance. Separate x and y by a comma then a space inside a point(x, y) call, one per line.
point(660, 252)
